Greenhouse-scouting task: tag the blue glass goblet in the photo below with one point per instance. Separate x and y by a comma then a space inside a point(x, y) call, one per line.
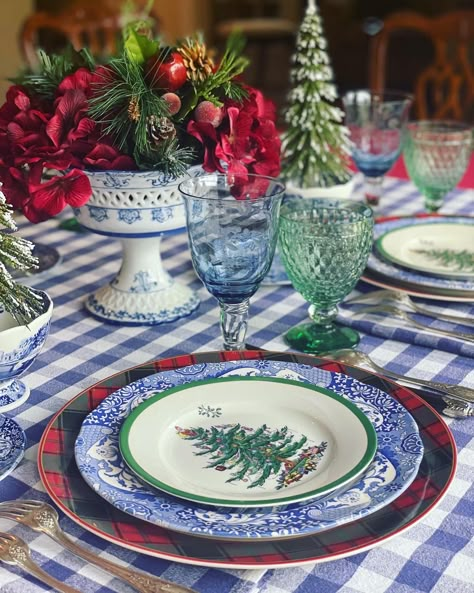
point(232, 228)
point(375, 121)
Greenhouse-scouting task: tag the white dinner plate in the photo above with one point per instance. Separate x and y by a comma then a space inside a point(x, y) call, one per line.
point(443, 249)
point(247, 441)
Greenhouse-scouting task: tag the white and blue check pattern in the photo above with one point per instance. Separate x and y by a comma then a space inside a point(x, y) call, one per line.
point(433, 556)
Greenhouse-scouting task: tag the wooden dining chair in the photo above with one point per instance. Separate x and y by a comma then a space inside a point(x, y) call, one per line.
point(445, 88)
point(95, 25)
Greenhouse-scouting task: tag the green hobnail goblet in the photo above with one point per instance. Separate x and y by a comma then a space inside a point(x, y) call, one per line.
point(436, 155)
point(324, 246)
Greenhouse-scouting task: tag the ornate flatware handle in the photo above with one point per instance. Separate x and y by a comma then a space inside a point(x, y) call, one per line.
point(141, 582)
point(19, 555)
point(463, 394)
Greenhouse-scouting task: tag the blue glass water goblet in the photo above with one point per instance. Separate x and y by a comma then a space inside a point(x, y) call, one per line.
point(375, 121)
point(232, 229)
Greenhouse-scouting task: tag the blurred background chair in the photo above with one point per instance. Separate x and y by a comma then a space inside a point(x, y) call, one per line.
point(444, 88)
point(270, 28)
point(85, 23)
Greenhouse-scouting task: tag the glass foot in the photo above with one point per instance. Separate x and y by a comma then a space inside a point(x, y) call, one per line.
point(316, 339)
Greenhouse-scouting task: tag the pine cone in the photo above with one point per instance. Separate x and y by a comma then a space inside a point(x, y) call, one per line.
point(160, 129)
point(199, 63)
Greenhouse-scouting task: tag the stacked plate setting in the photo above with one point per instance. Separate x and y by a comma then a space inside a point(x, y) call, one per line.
point(430, 256)
point(249, 449)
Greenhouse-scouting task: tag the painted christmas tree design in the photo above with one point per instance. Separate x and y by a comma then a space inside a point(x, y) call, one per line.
point(459, 260)
point(254, 455)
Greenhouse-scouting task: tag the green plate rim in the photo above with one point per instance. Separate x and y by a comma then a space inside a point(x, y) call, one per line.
point(382, 251)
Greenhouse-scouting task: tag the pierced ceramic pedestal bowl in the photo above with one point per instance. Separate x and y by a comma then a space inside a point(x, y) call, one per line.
point(137, 207)
point(19, 346)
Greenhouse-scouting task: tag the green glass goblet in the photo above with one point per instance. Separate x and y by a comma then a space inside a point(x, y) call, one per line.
point(436, 155)
point(324, 246)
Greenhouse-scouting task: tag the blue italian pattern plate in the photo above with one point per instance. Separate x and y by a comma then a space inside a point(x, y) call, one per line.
point(426, 282)
point(395, 465)
point(12, 445)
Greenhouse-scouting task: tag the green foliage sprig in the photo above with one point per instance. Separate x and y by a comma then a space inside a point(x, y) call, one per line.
point(52, 70)
point(232, 64)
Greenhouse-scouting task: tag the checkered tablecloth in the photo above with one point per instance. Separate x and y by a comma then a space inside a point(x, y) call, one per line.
point(433, 556)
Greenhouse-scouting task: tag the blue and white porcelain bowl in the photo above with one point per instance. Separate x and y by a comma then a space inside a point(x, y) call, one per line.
point(19, 346)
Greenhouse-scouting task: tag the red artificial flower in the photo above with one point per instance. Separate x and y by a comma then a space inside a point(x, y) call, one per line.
point(105, 157)
point(245, 142)
point(51, 197)
point(80, 80)
point(69, 122)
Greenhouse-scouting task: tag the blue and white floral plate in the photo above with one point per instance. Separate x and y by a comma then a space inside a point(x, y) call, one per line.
point(395, 465)
point(424, 282)
point(12, 445)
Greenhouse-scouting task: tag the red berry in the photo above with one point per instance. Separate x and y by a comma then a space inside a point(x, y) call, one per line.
point(167, 75)
point(174, 102)
point(208, 113)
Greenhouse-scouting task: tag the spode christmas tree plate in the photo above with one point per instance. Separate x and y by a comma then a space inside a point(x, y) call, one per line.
point(396, 462)
point(423, 282)
point(442, 249)
point(247, 441)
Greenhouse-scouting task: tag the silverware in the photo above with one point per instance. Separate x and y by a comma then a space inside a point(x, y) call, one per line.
point(459, 399)
point(14, 551)
point(401, 314)
point(42, 517)
point(404, 299)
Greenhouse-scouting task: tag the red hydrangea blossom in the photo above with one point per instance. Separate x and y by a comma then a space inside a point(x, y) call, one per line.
point(43, 147)
point(246, 142)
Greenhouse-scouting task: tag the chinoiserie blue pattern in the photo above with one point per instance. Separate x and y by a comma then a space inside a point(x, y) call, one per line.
point(18, 353)
point(434, 556)
point(394, 466)
point(12, 445)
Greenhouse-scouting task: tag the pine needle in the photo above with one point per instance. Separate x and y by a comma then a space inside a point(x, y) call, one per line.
point(52, 70)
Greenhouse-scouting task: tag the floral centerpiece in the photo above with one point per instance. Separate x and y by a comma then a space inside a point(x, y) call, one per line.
point(153, 110)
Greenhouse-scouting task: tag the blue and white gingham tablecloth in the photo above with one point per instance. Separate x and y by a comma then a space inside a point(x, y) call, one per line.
point(436, 555)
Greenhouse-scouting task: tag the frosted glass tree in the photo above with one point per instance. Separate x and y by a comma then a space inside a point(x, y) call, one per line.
point(15, 253)
point(316, 143)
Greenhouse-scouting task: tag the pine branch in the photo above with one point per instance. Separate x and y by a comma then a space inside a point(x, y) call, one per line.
point(16, 253)
point(232, 64)
point(52, 70)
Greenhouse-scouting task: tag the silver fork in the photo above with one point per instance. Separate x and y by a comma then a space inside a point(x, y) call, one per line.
point(42, 517)
point(396, 312)
point(404, 299)
point(14, 551)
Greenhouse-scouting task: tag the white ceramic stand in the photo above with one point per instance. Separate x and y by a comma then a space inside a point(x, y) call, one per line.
point(142, 293)
point(137, 207)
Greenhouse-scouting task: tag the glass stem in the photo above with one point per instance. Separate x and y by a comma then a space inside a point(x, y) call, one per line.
point(323, 317)
point(373, 190)
point(234, 320)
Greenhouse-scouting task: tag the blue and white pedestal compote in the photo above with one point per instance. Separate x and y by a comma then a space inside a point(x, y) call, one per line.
point(138, 207)
point(19, 346)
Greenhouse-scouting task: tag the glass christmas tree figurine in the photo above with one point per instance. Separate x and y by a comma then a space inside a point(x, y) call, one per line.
point(316, 143)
